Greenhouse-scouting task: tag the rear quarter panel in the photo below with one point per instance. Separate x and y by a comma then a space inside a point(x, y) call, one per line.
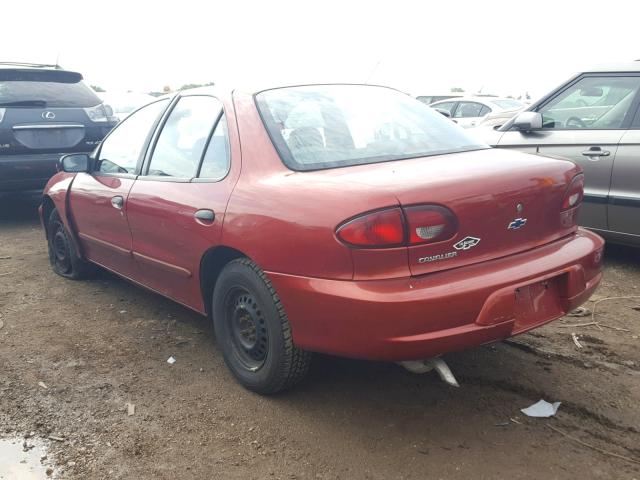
point(285, 220)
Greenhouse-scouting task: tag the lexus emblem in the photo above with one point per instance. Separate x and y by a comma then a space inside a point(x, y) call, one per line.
point(48, 115)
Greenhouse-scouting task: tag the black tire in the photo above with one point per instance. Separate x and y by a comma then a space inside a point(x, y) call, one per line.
point(63, 256)
point(253, 332)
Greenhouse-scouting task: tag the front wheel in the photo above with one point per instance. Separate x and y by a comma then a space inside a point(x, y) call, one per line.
point(253, 332)
point(63, 256)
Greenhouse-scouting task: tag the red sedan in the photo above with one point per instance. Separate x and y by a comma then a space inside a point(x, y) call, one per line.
point(346, 219)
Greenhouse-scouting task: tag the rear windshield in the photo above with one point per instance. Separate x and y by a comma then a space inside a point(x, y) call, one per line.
point(326, 126)
point(44, 89)
point(508, 104)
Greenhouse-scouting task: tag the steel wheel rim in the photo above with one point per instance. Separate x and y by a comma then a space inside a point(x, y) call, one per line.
point(247, 328)
point(60, 248)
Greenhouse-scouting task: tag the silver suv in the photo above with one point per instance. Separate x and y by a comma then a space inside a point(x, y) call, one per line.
point(593, 120)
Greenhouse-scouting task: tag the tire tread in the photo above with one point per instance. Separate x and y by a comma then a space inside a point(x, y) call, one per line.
point(297, 361)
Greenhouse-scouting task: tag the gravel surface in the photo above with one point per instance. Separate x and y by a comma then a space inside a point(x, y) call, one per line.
point(83, 368)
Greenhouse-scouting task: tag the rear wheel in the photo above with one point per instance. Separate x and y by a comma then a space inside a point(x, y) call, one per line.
point(63, 256)
point(253, 332)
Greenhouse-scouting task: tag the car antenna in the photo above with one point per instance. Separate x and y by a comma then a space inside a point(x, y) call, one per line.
point(373, 70)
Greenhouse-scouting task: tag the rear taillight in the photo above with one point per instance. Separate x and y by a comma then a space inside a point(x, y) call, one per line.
point(396, 227)
point(384, 228)
point(571, 201)
point(429, 223)
point(574, 194)
point(99, 113)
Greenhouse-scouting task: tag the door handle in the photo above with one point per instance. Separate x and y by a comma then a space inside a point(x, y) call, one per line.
point(594, 153)
point(117, 202)
point(205, 216)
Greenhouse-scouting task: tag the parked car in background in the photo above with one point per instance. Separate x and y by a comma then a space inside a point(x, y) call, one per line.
point(124, 103)
point(594, 120)
point(346, 219)
point(429, 99)
point(45, 112)
point(472, 111)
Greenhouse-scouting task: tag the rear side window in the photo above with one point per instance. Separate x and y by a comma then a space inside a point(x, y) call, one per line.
point(468, 110)
point(484, 111)
point(184, 136)
point(46, 89)
point(215, 164)
point(446, 106)
point(325, 126)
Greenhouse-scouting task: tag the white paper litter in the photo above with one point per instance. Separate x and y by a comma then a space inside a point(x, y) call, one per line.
point(541, 409)
point(171, 360)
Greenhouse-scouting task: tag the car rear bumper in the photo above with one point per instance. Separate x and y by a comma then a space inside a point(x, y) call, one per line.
point(26, 173)
point(425, 316)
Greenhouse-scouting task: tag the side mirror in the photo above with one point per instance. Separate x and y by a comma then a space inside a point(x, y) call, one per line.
point(527, 121)
point(74, 163)
point(441, 111)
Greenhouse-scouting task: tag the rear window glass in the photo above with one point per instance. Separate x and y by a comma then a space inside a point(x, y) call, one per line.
point(325, 126)
point(509, 104)
point(46, 89)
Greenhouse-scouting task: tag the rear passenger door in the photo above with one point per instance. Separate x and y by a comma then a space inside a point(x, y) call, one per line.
point(624, 196)
point(177, 205)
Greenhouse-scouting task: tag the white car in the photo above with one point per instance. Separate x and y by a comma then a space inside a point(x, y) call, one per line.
point(474, 111)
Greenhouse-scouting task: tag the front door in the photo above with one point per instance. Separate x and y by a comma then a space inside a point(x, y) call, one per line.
point(176, 207)
point(98, 199)
point(584, 123)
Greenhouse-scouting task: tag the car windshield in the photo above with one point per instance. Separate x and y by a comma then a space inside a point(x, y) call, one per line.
point(326, 126)
point(508, 104)
point(46, 89)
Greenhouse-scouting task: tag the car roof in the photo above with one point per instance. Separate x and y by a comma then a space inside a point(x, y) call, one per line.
point(616, 67)
point(217, 90)
point(36, 67)
point(479, 99)
point(29, 66)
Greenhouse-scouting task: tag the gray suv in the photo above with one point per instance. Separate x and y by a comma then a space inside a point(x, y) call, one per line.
point(45, 112)
point(593, 120)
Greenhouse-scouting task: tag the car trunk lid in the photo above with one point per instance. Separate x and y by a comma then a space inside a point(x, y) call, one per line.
point(505, 202)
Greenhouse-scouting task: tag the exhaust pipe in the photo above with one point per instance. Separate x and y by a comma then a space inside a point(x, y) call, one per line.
point(428, 364)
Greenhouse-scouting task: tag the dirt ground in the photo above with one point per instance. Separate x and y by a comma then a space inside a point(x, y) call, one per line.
point(100, 344)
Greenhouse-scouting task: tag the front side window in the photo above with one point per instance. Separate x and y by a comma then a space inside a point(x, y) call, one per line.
point(468, 110)
point(591, 103)
point(446, 106)
point(184, 136)
point(325, 126)
point(121, 150)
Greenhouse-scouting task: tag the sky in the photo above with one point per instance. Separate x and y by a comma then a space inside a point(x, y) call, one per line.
point(420, 47)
